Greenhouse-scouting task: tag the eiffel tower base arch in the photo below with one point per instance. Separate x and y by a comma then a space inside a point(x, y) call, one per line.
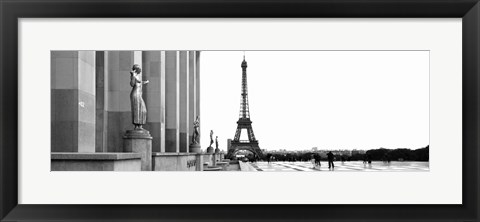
point(249, 146)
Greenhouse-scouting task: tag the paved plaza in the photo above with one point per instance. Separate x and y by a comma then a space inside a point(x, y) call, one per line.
point(352, 166)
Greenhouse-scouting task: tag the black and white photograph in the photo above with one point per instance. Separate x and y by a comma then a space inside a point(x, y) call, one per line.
point(205, 110)
point(244, 111)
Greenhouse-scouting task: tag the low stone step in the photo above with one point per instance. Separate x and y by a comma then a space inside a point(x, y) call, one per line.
point(212, 169)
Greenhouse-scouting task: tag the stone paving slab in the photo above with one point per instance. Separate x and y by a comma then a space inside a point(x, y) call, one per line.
point(353, 166)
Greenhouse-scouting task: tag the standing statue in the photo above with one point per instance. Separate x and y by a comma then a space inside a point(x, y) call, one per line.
point(216, 142)
point(211, 138)
point(139, 110)
point(196, 131)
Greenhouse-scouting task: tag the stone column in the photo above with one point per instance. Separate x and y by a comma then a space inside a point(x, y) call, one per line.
point(194, 94)
point(197, 72)
point(172, 102)
point(117, 83)
point(100, 106)
point(154, 96)
point(192, 91)
point(184, 101)
point(73, 101)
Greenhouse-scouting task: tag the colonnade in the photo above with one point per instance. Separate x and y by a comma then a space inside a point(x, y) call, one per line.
point(91, 99)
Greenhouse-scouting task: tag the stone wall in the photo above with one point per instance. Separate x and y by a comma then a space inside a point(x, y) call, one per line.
point(176, 162)
point(95, 162)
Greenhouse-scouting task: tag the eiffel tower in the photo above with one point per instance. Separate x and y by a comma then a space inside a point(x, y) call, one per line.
point(244, 122)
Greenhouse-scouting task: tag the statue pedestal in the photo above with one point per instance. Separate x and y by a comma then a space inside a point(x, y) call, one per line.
point(210, 149)
point(194, 148)
point(139, 141)
point(215, 159)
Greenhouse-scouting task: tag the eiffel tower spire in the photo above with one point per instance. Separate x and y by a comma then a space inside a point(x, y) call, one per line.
point(244, 110)
point(244, 122)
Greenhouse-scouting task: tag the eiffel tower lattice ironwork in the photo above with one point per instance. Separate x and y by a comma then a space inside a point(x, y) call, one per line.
point(244, 122)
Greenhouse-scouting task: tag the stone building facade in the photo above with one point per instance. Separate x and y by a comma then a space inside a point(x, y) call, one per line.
point(90, 107)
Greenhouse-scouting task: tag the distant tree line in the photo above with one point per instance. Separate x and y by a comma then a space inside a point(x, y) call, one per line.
point(399, 154)
point(381, 154)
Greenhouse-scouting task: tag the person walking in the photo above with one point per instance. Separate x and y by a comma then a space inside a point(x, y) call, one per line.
point(317, 160)
point(330, 158)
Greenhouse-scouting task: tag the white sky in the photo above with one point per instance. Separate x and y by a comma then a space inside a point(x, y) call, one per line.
point(325, 99)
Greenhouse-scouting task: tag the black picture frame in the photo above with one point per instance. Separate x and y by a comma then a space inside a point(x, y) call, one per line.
point(12, 10)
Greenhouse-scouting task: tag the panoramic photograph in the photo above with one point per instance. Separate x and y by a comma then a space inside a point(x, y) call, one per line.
point(241, 111)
